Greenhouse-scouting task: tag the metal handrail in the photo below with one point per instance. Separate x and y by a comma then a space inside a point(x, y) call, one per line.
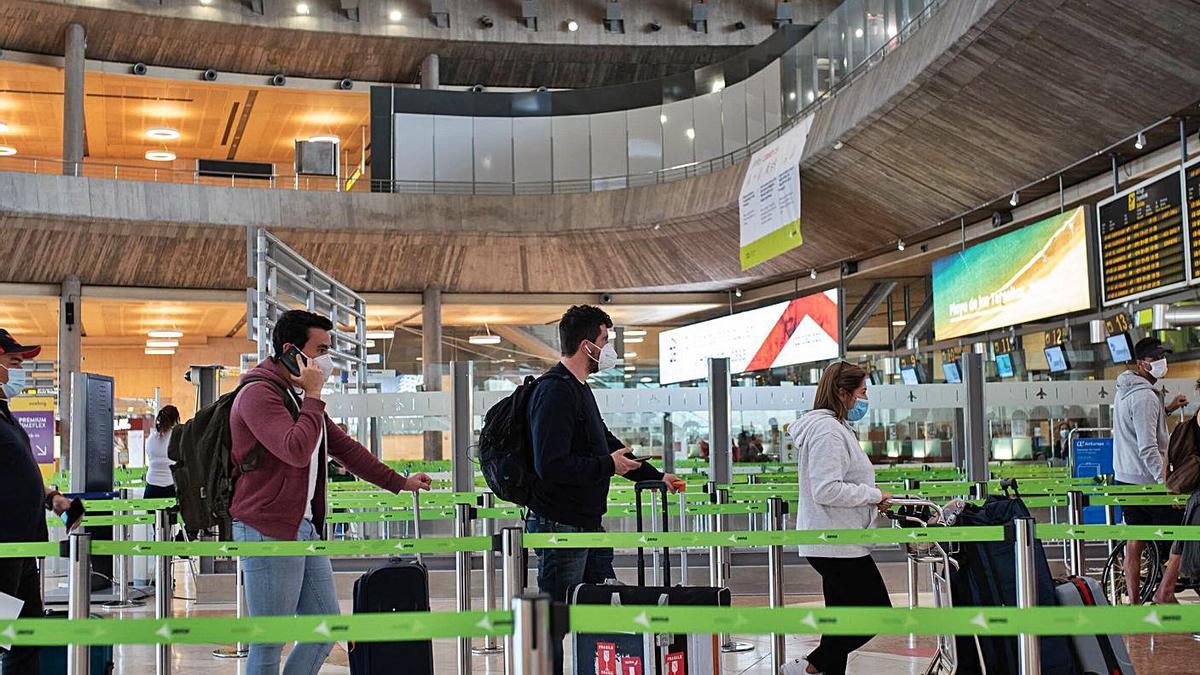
point(595, 184)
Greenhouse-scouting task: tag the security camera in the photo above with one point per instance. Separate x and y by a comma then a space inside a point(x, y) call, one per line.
point(278, 80)
point(606, 298)
point(139, 68)
point(209, 75)
point(477, 88)
point(345, 84)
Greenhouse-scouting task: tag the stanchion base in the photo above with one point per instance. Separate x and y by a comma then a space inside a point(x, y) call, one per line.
point(230, 653)
point(735, 647)
point(128, 604)
point(484, 651)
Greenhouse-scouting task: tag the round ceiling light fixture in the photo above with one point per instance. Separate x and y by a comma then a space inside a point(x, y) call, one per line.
point(3, 127)
point(160, 155)
point(7, 151)
point(162, 134)
point(572, 25)
point(162, 344)
point(152, 351)
point(165, 334)
point(380, 335)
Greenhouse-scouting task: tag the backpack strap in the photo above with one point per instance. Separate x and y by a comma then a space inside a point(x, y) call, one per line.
point(256, 453)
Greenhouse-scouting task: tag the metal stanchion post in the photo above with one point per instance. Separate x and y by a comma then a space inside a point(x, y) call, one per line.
point(163, 590)
point(775, 510)
point(1075, 504)
point(490, 646)
point(512, 558)
point(914, 573)
point(683, 550)
point(122, 568)
point(655, 557)
point(979, 490)
point(416, 514)
point(79, 600)
point(533, 653)
point(1029, 657)
point(724, 569)
point(712, 525)
point(240, 650)
point(751, 479)
point(462, 582)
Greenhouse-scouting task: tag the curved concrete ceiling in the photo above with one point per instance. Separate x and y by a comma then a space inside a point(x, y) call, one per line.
point(231, 38)
point(988, 96)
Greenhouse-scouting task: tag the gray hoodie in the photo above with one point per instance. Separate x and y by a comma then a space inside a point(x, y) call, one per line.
point(1139, 431)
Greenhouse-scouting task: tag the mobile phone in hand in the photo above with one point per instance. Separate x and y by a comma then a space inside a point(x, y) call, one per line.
point(292, 359)
point(73, 515)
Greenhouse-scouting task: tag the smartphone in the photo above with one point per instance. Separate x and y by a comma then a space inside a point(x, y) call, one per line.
point(291, 359)
point(74, 514)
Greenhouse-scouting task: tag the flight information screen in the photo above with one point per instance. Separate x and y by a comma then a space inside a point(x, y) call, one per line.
point(1191, 187)
point(1141, 239)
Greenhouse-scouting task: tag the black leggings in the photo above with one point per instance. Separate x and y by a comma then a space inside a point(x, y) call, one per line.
point(846, 582)
point(158, 492)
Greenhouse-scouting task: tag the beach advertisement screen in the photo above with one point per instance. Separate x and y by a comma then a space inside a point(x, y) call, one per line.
point(1038, 271)
point(784, 334)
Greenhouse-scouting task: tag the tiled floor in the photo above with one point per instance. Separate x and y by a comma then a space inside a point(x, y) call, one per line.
point(1155, 655)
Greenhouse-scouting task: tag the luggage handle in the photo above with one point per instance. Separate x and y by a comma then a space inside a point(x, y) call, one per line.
point(654, 485)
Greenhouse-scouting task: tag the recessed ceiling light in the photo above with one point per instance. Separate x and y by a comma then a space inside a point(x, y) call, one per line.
point(159, 352)
point(165, 334)
point(162, 344)
point(635, 332)
point(380, 335)
point(324, 139)
point(302, 8)
point(395, 15)
point(7, 151)
point(162, 134)
point(572, 25)
point(3, 127)
point(631, 355)
point(634, 340)
point(160, 155)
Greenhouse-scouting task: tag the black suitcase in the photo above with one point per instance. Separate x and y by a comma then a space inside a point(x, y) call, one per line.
point(648, 654)
point(986, 577)
point(398, 586)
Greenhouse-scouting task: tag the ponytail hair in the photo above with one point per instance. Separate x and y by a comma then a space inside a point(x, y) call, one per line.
point(167, 418)
point(839, 377)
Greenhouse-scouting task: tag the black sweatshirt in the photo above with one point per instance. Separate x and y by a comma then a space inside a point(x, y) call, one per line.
point(22, 514)
point(571, 452)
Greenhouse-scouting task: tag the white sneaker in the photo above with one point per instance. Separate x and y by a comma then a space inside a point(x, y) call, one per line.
point(795, 667)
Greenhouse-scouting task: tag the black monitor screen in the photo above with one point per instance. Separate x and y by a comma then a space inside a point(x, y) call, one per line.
point(1119, 348)
point(1056, 357)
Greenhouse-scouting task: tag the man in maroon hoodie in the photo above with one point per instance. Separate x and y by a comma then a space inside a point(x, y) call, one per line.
point(283, 497)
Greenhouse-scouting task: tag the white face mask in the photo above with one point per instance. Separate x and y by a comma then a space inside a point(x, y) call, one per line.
point(325, 363)
point(607, 359)
point(1158, 369)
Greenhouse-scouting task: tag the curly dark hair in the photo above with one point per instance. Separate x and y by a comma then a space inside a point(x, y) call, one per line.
point(292, 329)
point(581, 322)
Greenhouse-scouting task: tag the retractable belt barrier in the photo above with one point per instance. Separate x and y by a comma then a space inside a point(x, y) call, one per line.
point(605, 619)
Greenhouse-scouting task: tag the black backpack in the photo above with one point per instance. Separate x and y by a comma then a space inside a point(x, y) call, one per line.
point(505, 446)
point(203, 468)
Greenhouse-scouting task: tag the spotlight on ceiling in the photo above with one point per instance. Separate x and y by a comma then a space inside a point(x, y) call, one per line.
point(1141, 141)
point(737, 292)
point(395, 16)
point(209, 75)
point(813, 274)
point(139, 68)
point(654, 26)
point(572, 25)
point(1012, 201)
point(302, 9)
point(900, 245)
point(739, 25)
point(486, 21)
point(477, 88)
point(839, 145)
point(278, 80)
point(345, 84)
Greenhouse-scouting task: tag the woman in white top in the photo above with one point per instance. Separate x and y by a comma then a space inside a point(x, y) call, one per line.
point(159, 482)
point(837, 492)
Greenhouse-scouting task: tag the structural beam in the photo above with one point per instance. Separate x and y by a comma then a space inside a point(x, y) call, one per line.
point(431, 359)
point(70, 359)
point(866, 308)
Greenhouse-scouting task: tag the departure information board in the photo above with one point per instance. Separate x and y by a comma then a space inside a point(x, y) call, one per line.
point(1191, 187)
point(1142, 246)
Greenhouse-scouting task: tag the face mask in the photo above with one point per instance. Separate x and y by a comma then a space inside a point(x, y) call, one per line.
point(325, 363)
point(1158, 369)
point(1062, 434)
point(16, 382)
point(608, 358)
point(859, 410)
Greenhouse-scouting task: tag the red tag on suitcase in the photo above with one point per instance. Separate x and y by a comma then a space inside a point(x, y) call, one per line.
point(677, 663)
point(606, 658)
point(631, 665)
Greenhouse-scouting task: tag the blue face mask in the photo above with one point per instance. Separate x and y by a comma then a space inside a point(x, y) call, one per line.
point(859, 410)
point(16, 382)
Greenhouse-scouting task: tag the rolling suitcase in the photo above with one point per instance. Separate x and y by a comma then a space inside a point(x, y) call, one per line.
point(398, 586)
point(1095, 654)
point(52, 659)
point(648, 654)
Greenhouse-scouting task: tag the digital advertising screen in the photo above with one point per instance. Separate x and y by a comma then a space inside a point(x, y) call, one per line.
point(1004, 365)
point(1119, 348)
point(784, 334)
point(953, 376)
point(1141, 239)
point(1056, 357)
point(1038, 271)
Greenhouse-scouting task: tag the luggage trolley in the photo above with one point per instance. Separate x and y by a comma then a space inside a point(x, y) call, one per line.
point(916, 512)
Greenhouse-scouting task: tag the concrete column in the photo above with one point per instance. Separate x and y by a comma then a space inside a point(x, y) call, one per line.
point(73, 100)
point(69, 358)
point(430, 79)
point(431, 358)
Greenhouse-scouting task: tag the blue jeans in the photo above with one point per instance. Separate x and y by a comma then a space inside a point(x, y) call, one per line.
point(287, 586)
point(561, 569)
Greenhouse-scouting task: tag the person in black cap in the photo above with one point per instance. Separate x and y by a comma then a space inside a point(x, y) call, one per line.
point(23, 496)
point(1139, 443)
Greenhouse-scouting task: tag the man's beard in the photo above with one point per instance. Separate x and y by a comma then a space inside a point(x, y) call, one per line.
point(593, 366)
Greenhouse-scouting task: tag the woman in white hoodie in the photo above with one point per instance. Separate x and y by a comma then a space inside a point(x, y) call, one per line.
point(837, 492)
